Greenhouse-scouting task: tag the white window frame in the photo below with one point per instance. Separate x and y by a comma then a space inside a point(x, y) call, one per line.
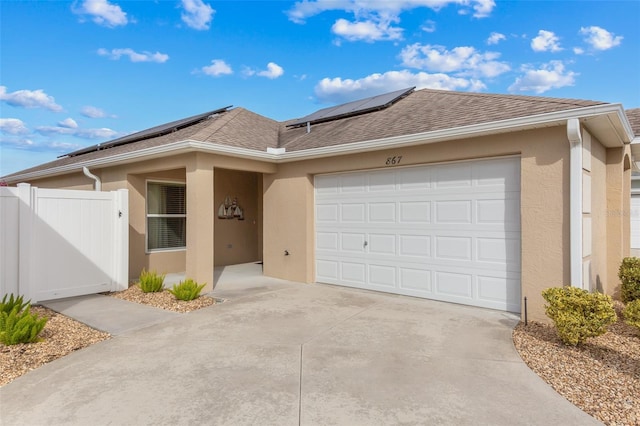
point(148, 215)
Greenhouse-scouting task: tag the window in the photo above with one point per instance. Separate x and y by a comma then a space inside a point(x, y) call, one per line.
point(166, 216)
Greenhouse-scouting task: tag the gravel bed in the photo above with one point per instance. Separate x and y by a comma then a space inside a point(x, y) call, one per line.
point(601, 377)
point(63, 335)
point(163, 299)
point(60, 336)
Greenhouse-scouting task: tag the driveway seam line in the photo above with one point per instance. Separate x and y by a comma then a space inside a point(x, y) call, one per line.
point(300, 389)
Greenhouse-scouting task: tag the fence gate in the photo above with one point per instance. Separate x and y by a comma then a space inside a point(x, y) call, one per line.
point(60, 243)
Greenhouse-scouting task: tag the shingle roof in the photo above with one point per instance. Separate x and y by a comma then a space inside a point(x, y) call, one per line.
point(634, 119)
point(421, 111)
point(238, 127)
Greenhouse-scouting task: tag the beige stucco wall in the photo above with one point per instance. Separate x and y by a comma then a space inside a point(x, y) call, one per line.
point(544, 160)
point(599, 259)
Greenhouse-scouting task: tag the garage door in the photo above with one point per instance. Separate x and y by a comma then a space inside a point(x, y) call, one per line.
point(635, 221)
point(447, 232)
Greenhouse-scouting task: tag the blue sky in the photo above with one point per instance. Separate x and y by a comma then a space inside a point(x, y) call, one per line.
point(73, 74)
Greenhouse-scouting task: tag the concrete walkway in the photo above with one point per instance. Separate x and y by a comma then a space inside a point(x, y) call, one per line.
point(106, 313)
point(289, 354)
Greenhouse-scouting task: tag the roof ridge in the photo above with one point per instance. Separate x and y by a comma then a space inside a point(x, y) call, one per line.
point(563, 101)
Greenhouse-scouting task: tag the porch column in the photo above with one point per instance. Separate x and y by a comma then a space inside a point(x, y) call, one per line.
point(200, 217)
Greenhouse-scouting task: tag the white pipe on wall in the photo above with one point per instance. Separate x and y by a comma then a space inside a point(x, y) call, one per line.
point(575, 200)
point(87, 173)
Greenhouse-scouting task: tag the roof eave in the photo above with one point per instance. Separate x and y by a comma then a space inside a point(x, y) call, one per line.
point(600, 119)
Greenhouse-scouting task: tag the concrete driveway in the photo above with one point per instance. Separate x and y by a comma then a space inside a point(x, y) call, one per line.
point(295, 354)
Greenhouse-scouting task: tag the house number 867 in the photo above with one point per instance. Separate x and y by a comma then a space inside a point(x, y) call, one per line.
point(393, 161)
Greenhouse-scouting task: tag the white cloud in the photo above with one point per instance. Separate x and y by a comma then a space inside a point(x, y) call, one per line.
point(429, 26)
point(13, 126)
point(217, 68)
point(338, 90)
point(69, 123)
point(599, 38)
point(546, 41)
point(134, 56)
point(383, 8)
point(374, 19)
point(100, 133)
point(578, 50)
point(463, 60)
point(495, 38)
point(197, 14)
point(17, 142)
point(552, 75)
point(368, 31)
point(273, 71)
point(92, 112)
point(29, 99)
point(102, 12)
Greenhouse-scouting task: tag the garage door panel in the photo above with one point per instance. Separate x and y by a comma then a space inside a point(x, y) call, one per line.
point(448, 232)
point(327, 271)
point(327, 213)
point(327, 241)
point(383, 212)
point(382, 181)
point(415, 212)
point(353, 212)
point(458, 211)
point(353, 183)
point(415, 280)
point(383, 244)
point(414, 178)
point(635, 221)
point(352, 242)
point(453, 176)
point(381, 275)
point(454, 284)
point(457, 248)
point(353, 272)
point(415, 246)
point(504, 174)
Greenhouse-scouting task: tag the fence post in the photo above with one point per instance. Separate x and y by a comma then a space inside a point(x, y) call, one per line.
point(25, 222)
point(121, 246)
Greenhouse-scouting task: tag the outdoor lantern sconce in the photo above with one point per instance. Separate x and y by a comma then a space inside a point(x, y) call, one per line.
point(230, 209)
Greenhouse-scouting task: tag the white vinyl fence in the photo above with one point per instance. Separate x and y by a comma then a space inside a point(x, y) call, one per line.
point(57, 243)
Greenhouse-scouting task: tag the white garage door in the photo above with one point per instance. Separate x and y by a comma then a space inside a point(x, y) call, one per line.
point(635, 221)
point(448, 232)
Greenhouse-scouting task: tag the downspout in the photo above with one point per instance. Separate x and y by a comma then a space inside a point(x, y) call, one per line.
point(87, 173)
point(575, 200)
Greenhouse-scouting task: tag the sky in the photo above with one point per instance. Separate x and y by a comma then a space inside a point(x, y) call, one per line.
point(74, 74)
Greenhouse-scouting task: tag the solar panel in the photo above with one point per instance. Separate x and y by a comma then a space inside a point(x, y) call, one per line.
point(349, 109)
point(160, 130)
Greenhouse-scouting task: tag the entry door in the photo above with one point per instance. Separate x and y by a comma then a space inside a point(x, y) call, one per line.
point(447, 232)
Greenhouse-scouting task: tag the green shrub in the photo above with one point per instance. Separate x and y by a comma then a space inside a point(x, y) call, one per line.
point(8, 305)
point(151, 282)
point(187, 290)
point(629, 274)
point(631, 313)
point(578, 314)
point(20, 327)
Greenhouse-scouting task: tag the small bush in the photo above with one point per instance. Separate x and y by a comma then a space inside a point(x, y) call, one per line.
point(631, 313)
point(629, 274)
point(151, 282)
point(578, 314)
point(13, 302)
point(20, 327)
point(187, 290)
